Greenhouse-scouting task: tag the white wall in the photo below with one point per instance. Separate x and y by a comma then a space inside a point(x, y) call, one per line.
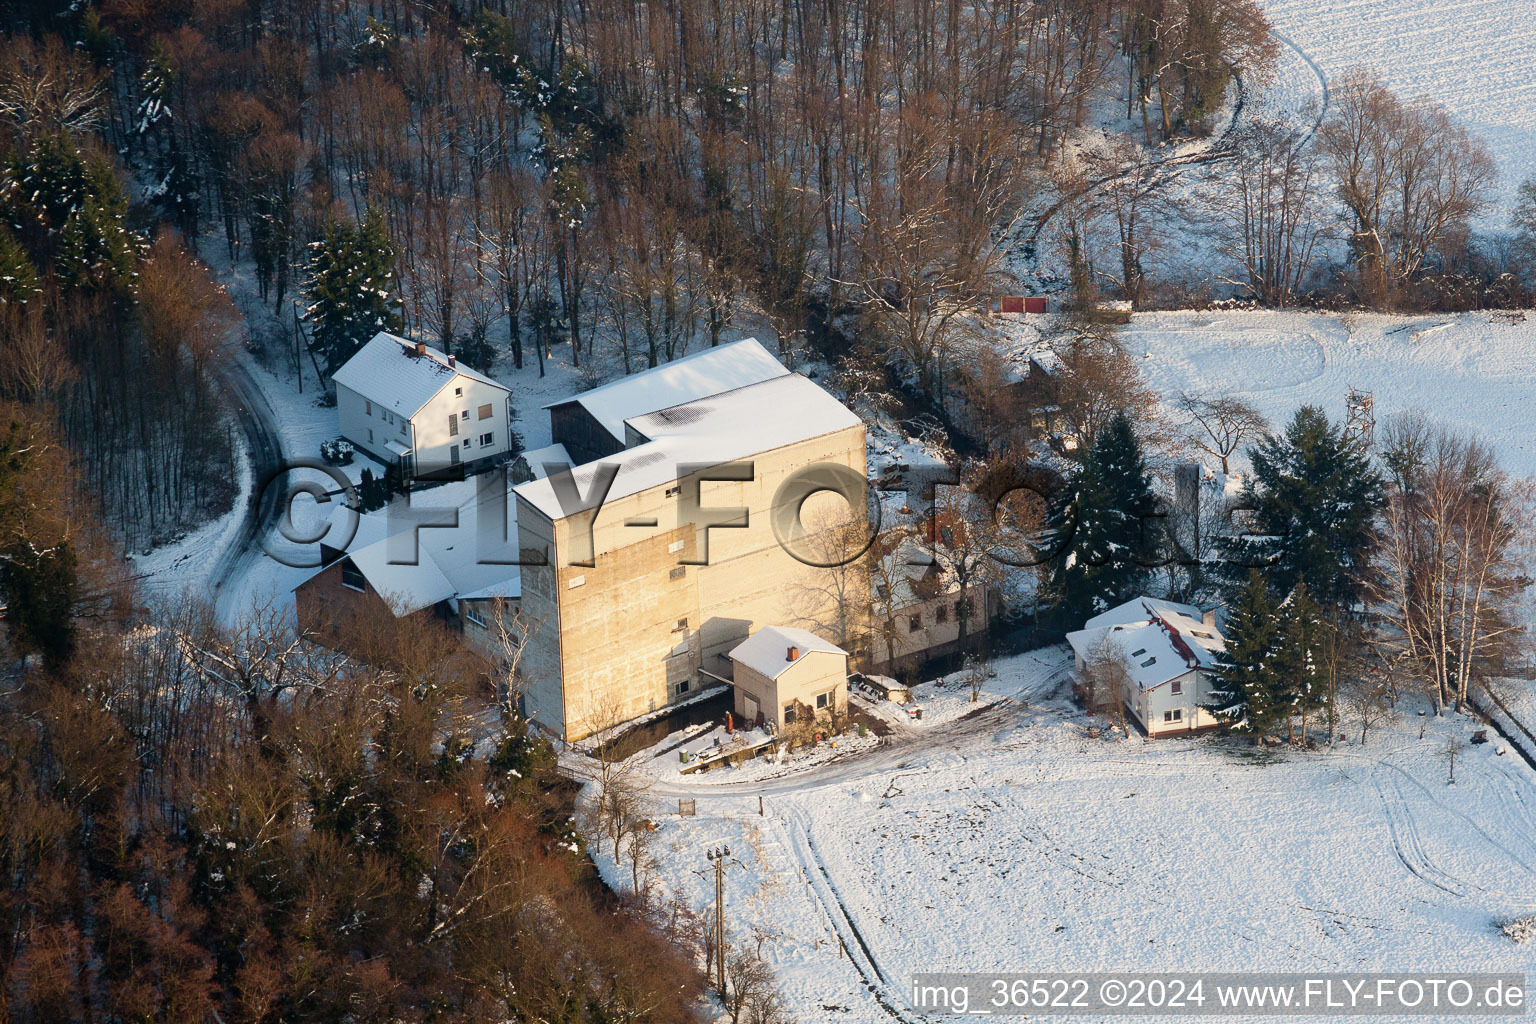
point(1152, 705)
point(434, 443)
point(364, 424)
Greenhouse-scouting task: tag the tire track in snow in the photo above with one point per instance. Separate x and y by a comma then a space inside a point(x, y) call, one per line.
point(1405, 839)
point(1322, 81)
point(815, 871)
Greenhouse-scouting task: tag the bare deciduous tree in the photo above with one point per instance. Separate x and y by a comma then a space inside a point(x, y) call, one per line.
point(1220, 425)
point(1410, 176)
point(1456, 558)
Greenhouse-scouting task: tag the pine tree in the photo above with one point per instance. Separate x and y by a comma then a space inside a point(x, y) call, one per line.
point(39, 587)
point(1112, 533)
point(1316, 496)
point(351, 290)
point(1247, 693)
point(67, 207)
point(1298, 680)
point(18, 275)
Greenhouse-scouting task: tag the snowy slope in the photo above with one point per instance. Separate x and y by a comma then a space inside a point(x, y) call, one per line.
point(1471, 370)
point(1010, 841)
point(1473, 56)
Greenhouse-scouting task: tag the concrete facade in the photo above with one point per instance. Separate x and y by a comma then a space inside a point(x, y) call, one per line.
point(640, 628)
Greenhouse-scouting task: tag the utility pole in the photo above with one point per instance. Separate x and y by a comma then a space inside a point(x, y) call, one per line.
point(718, 858)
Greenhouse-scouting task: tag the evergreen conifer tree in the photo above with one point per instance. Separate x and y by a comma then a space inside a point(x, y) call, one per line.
point(1315, 495)
point(18, 275)
point(351, 289)
point(1247, 693)
point(39, 587)
point(1298, 682)
point(1113, 534)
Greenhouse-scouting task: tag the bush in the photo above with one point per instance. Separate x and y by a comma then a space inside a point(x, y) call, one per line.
point(474, 351)
point(1519, 929)
point(337, 452)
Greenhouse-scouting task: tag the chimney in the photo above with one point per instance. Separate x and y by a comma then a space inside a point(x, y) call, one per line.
point(794, 652)
point(1186, 510)
point(453, 361)
point(1208, 616)
point(421, 348)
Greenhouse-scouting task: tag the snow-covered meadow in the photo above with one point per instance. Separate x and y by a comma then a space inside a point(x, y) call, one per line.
point(1007, 840)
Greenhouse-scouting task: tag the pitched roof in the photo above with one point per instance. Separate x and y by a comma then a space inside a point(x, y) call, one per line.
point(708, 372)
point(1156, 640)
point(718, 428)
point(387, 372)
point(766, 651)
point(449, 562)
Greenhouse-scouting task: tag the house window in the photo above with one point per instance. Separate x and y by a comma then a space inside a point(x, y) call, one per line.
point(466, 442)
point(485, 412)
point(1176, 715)
point(367, 407)
point(402, 426)
point(941, 614)
point(674, 490)
point(1178, 686)
point(370, 436)
point(453, 425)
point(574, 582)
point(458, 392)
point(471, 615)
point(682, 687)
point(789, 713)
point(352, 578)
point(678, 573)
point(822, 700)
point(682, 624)
point(486, 440)
point(464, 414)
point(914, 623)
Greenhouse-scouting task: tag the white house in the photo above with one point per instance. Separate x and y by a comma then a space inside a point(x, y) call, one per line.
point(406, 403)
point(1169, 652)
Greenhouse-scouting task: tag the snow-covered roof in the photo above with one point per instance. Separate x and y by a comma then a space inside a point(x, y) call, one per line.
point(719, 428)
point(405, 588)
point(536, 458)
point(388, 372)
point(1138, 609)
point(1158, 641)
point(704, 373)
point(450, 562)
point(767, 651)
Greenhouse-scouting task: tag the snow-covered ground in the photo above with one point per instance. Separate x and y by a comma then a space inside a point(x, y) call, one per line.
point(1007, 840)
point(1471, 370)
point(1472, 56)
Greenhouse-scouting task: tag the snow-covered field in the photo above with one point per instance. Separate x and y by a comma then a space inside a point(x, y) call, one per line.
point(1472, 370)
point(1473, 56)
point(1009, 841)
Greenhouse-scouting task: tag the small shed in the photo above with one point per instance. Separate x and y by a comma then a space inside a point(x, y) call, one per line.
point(780, 667)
